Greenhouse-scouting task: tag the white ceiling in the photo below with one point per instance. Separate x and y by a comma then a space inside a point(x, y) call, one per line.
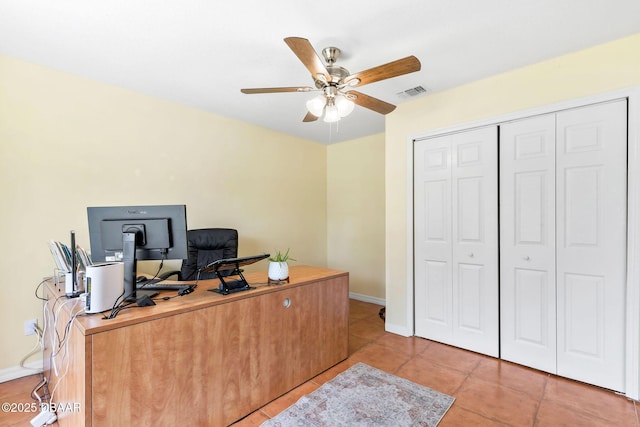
point(202, 52)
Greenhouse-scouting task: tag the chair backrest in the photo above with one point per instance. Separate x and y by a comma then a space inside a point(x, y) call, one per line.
point(205, 246)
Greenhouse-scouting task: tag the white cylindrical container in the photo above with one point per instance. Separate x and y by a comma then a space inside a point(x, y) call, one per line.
point(105, 283)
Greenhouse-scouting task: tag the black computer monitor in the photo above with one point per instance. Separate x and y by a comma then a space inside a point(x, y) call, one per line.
point(131, 233)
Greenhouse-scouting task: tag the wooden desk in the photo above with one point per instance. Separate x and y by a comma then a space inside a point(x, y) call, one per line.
point(201, 359)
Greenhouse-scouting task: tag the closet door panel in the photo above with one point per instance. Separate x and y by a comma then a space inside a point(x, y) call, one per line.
point(583, 314)
point(432, 239)
point(455, 240)
point(591, 243)
point(475, 240)
point(527, 242)
point(470, 283)
point(531, 324)
point(436, 295)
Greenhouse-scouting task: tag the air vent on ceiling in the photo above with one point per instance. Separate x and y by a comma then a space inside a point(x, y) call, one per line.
point(414, 91)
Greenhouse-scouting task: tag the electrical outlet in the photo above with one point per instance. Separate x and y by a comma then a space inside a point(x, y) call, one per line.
point(30, 326)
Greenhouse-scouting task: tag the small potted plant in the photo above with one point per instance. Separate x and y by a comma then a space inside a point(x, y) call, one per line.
point(278, 268)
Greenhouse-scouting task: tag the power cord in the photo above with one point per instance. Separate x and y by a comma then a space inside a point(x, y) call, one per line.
point(37, 348)
point(39, 286)
point(117, 309)
point(155, 276)
point(66, 353)
point(47, 414)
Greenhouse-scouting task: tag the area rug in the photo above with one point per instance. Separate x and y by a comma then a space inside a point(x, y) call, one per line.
point(366, 396)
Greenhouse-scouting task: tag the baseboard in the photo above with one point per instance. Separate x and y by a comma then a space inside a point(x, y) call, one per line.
point(367, 298)
point(397, 329)
point(16, 372)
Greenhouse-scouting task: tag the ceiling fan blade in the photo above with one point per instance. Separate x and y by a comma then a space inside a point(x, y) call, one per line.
point(370, 102)
point(277, 89)
point(309, 117)
point(305, 52)
point(397, 68)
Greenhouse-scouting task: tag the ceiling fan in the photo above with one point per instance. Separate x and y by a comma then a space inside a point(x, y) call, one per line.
point(336, 100)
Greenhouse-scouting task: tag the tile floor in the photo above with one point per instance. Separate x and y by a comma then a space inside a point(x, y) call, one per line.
point(488, 392)
point(17, 392)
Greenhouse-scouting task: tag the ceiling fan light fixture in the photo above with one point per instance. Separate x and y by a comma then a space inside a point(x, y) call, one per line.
point(345, 106)
point(331, 113)
point(332, 79)
point(316, 105)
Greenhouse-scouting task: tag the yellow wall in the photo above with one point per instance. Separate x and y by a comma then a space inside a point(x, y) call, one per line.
point(355, 213)
point(67, 143)
point(592, 71)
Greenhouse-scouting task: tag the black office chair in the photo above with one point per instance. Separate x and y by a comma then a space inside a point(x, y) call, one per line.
point(204, 246)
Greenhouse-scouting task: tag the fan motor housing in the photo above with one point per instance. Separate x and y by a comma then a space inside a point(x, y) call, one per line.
point(337, 73)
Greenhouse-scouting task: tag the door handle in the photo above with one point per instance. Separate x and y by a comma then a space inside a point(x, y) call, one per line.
point(526, 258)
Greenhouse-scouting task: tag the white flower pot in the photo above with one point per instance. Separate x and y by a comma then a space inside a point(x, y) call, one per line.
point(278, 270)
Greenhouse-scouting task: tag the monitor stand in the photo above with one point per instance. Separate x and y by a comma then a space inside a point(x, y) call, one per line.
point(130, 269)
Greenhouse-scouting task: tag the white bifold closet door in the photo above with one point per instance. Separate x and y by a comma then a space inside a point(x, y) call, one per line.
point(456, 238)
point(563, 242)
point(528, 242)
